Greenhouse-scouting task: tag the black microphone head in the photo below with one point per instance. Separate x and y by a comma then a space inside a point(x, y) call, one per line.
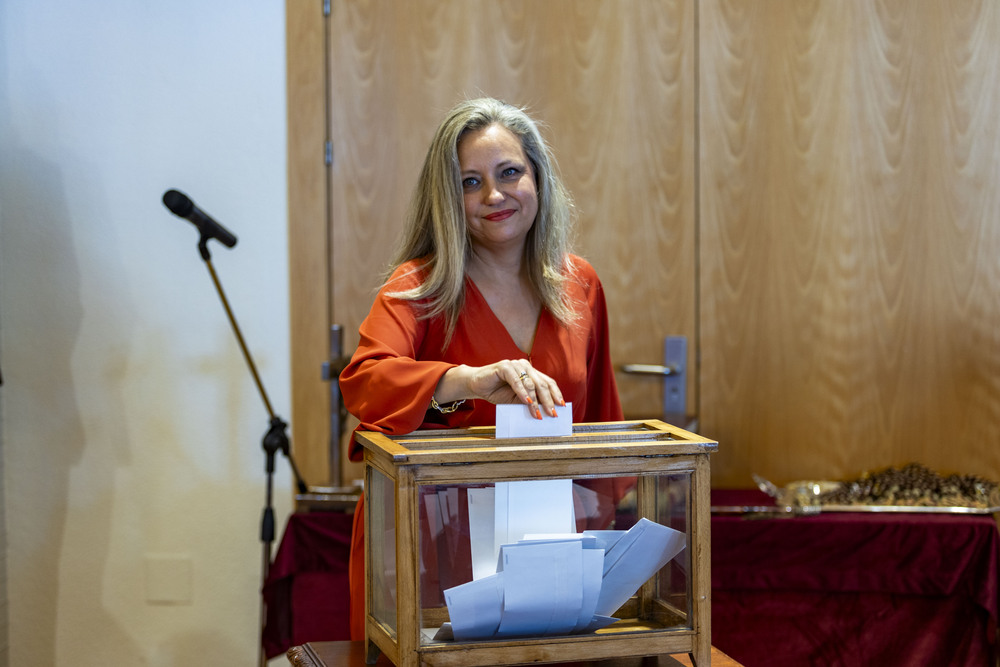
point(178, 203)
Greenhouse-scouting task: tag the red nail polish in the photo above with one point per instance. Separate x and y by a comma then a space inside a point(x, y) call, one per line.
point(554, 413)
point(538, 413)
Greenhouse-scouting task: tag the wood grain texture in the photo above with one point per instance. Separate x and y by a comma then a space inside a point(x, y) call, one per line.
point(815, 179)
point(416, 468)
point(850, 235)
point(309, 313)
point(612, 84)
point(352, 654)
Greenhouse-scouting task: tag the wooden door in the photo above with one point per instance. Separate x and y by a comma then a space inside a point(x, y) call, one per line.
point(612, 81)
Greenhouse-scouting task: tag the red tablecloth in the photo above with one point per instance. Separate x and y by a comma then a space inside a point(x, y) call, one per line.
point(831, 590)
point(841, 589)
point(306, 592)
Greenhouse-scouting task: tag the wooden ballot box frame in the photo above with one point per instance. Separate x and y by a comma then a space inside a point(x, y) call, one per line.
point(646, 449)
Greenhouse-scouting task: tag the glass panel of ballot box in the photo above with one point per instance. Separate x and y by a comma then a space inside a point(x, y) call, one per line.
point(487, 551)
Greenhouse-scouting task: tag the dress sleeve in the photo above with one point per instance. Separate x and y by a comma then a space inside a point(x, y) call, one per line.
point(387, 386)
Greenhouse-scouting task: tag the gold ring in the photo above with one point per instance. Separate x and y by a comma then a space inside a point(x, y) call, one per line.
point(522, 376)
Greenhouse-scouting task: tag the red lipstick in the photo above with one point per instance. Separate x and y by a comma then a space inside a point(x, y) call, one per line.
point(500, 215)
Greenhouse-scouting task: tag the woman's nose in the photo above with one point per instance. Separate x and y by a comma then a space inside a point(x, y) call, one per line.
point(493, 194)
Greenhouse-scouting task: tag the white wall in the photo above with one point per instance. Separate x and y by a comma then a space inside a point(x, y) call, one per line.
point(131, 429)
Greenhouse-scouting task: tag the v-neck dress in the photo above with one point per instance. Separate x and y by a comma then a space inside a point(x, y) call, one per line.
point(401, 357)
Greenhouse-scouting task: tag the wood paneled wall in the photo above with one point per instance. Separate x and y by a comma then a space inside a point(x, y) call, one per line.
point(308, 236)
point(611, 82)
point(804, 189)
point(850, 236)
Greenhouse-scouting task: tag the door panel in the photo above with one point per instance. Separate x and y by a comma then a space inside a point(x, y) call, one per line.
point(612, 83)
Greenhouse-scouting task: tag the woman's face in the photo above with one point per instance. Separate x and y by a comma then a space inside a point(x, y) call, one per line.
point(498, 183)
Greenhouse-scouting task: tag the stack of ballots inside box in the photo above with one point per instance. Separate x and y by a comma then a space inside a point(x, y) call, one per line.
point(530, 582)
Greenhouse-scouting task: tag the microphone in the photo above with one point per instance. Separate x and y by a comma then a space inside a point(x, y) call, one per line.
point(182, 206)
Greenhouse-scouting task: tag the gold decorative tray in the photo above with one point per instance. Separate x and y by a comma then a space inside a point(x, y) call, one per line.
point(910, 489)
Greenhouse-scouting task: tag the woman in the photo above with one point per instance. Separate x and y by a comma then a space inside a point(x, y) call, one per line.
point(485, 304)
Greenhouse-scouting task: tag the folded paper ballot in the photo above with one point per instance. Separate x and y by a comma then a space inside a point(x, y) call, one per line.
point(638, 555)
point(557, 584)
point(507, 511)
point(516, 420)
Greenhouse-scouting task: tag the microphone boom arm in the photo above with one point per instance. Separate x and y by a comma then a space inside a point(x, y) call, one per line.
point(277, 438)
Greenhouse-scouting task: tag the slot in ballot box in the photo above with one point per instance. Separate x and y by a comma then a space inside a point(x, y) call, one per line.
point(441, 506)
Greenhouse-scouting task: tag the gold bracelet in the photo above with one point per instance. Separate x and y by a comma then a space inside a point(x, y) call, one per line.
point(447, 409)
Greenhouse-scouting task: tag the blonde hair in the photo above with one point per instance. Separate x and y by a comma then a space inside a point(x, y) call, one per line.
point(435, 223)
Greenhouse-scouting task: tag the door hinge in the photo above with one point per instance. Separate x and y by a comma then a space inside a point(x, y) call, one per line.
point(326, 7)
point(328, 153)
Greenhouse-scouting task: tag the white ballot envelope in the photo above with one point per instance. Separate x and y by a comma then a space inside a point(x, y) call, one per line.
point(543, 588)
point(638, 555)
point(508, 511)
point(516, 420)
point(559, 583)
point(475, 607)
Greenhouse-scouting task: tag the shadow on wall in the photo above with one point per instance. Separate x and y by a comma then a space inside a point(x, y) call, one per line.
point(44, 430)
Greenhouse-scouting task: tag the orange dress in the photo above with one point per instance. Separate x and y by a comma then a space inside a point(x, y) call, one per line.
point(401, 358)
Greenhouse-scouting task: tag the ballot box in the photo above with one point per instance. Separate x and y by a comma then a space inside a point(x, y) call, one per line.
point(499, 551)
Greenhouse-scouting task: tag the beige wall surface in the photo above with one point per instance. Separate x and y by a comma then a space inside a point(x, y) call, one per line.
point(133, 473)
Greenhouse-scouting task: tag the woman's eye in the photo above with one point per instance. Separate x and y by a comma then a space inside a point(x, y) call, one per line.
point(470, 182)
point(511, 171)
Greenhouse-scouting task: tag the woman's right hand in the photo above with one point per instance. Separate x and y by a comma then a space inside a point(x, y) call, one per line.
point(507, 381)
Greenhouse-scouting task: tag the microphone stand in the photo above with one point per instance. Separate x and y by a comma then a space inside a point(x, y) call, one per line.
point(274, 441)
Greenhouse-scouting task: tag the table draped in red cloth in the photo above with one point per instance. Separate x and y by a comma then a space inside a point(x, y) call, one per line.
point(855, 588)
point(306, 591)
point(833, 590)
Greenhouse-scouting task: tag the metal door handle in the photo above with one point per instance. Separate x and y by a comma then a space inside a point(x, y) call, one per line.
point(652, 369)
point(673, 372)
